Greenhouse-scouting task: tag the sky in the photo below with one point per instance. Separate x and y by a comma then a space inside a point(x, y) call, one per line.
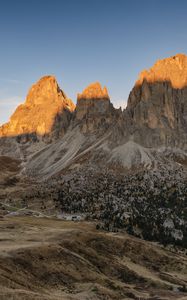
point(83, 41)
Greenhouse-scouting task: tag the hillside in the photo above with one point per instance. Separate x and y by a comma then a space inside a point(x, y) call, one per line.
point(52, 259)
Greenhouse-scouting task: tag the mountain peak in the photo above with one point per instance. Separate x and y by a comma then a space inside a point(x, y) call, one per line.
point(94, 91)
point(44, 102)
point(45, 89)
point(172, 69)
point(94, 108)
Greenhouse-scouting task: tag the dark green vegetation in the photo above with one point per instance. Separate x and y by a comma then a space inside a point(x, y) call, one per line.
point(148, 204)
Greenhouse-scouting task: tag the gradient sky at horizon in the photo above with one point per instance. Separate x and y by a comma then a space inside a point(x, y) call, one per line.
point(81, 41)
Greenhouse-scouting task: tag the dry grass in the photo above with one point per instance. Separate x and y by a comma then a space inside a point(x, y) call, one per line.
point(9, 164)
point(43, 258)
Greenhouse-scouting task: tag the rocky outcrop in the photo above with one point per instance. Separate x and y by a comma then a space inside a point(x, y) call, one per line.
point(94, 111)
point(47, 110)
point(156, 112)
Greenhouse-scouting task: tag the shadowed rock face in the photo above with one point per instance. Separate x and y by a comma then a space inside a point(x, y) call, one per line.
point(94, 109)
point(44, 105)
point(93, 101)
point(157, 106)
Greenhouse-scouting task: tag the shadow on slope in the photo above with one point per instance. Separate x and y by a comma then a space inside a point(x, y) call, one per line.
point(73, 261)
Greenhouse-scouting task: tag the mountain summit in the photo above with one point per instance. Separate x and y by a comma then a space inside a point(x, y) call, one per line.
point(94, 91)
point(38, 114)
point(94, 108)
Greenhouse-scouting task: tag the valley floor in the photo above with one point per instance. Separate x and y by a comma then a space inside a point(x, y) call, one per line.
point(50, 259)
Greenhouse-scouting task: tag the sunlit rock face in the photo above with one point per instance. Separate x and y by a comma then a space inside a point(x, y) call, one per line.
point(157, 105)
point(172, 69)
point(94, 91)
point(46, 108)
point(94, 109)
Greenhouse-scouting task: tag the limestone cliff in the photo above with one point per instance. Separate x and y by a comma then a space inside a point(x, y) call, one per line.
point(156, 112)
point(46, 110)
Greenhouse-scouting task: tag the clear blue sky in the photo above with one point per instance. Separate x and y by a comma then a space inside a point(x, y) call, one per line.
point(81, 41)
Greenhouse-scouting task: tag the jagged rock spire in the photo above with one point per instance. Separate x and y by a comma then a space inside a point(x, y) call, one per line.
point(94, 91)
